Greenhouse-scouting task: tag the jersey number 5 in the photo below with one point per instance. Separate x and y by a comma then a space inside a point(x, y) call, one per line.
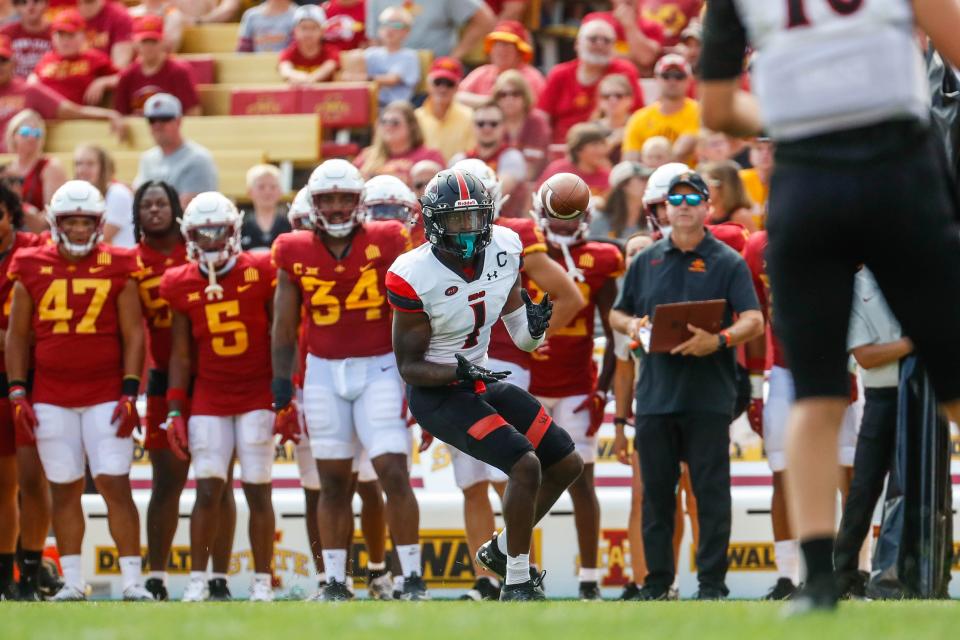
point(797, 14)
point(218, 323)
point(53, 305)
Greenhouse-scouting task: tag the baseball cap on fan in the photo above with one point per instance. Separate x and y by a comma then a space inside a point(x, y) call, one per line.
point(148, 27)
point(310, 12)
point(693, 180)
point(672, 61)
point(162, 105)
point(68, 21)
point(449, 68)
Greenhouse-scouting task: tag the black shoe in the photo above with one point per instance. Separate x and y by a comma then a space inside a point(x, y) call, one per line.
point(8, 591)
point(651, 593)
point(49, 581)
point(783, 590)
point(414, 588)
point(817, 595)
point(707, 592)
point(490, 556)
point(852, 585)
point(219, 591)
point(157, 588)
point(482, 589)
point(525, 591)
point(590, 591)
point(334, 591)
point(630, 592)
point(27, 591)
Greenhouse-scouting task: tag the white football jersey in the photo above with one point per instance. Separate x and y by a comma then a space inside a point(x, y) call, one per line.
point(462, 312)
point(826, 65)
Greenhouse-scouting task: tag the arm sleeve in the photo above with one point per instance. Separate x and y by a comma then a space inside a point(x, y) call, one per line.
point(741, 294)
point(401, 296)
point(724, 42)
point(861, 332)
point(461, 11)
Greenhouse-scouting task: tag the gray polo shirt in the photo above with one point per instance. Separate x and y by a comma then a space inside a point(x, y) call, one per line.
point(872, 322)
point(436, 23)
point(189, 169)
point(661, 274)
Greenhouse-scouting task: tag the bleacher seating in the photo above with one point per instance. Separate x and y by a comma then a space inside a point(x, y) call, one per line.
point(236, 68)
point(210, 38)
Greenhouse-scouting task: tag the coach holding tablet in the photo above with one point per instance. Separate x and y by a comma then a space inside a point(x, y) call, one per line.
point(685, 398)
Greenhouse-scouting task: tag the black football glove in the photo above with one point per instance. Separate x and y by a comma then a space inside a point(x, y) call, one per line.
point(538, 315)
point(469, 372)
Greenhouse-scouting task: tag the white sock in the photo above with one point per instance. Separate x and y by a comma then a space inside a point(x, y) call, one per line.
point(787, 555)
point(589, 575)
point(518, 568)
point(198, 575)
point(131, 570)
point(73, 571)
point(409, 555)
point(218, 576)
point(866, 560)
point(502, 542)
point(376, 566)
point(335, 563)
point(322, 577)
point(159, 575)
point(265, 578)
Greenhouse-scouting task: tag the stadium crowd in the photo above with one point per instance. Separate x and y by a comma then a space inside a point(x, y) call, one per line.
point(513, 92)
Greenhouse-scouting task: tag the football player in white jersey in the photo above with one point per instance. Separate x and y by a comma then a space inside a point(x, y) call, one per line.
point(843, 93)
point(447, 295)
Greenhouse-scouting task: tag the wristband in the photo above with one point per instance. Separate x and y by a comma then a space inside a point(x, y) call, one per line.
point(727, 341)
point(166, 423)
point(756, 386)
point(619, 422)
point(17, 390)
point(130, 386)
point(176, 395)
point(282, 389)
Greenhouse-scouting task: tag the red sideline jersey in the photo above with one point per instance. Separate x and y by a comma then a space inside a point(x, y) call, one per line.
point(568, 368)
point(156, 310)
point(732, 234)
point(501, 344)
point(21, 240)
point(346, 299)
point(755, 256)
point(79, 355)
point(232, 335)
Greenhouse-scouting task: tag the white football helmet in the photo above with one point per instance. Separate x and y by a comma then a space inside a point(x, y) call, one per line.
point(656, 192)
point(76, 198)
point(487, 176)
point(211, 226)
point(388, 198)
point(336, 176)
point(299, 213)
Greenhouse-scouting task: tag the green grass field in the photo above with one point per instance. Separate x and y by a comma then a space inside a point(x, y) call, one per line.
point(466, 621)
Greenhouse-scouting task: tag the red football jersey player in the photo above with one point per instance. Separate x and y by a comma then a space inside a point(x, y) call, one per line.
point(564, 376)
point(77, 298)
point(19, 464)
point(221, 304)
point(352, 393)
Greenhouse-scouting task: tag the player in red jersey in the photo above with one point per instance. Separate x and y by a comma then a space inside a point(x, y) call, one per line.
point(353, 396)
point(221, 302)
point(156, 207)
point(564, 376)
point(19, 463)
point(77, 298)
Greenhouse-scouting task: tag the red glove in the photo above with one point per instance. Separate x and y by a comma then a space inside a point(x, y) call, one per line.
point(287, 425)
point(426, 439)
point(595, 403)
point(176, 428)
point(755, 410)
point(125, 417)
point(24, 419)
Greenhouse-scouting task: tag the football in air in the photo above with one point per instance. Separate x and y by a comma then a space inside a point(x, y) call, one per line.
point(564, 196)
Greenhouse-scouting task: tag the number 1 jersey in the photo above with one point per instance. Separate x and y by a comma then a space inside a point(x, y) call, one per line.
point(232, 335)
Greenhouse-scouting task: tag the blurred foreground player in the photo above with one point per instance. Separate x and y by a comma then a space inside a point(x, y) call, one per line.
point(447, 295)
point(222, 302)
point(21, 475)
point(850, 150)
point(76, 297)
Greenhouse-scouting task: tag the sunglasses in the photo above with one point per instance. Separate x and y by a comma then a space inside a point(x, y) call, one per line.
point(160, 120)
point(599, 40)
point(614, 96)
point(510, 94)
point(673, 75)
point(391, 122)
point(29, 132)
point(444, 82)
point(693, 199)
point(483, 124)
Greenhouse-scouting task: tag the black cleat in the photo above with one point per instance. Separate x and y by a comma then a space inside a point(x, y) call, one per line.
point(590, 591)
point(630, 592)
point(650, 593)
point(852, 585)
point(334, 591)
point(482, 589)
point(819, 595)
point(27, 591)
point(707, 592)
point(783, 590)
point(156, 587)
point(525, 591)
point(219, 591)
point(8, 591)
point(490, 556)
point(414, 588)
